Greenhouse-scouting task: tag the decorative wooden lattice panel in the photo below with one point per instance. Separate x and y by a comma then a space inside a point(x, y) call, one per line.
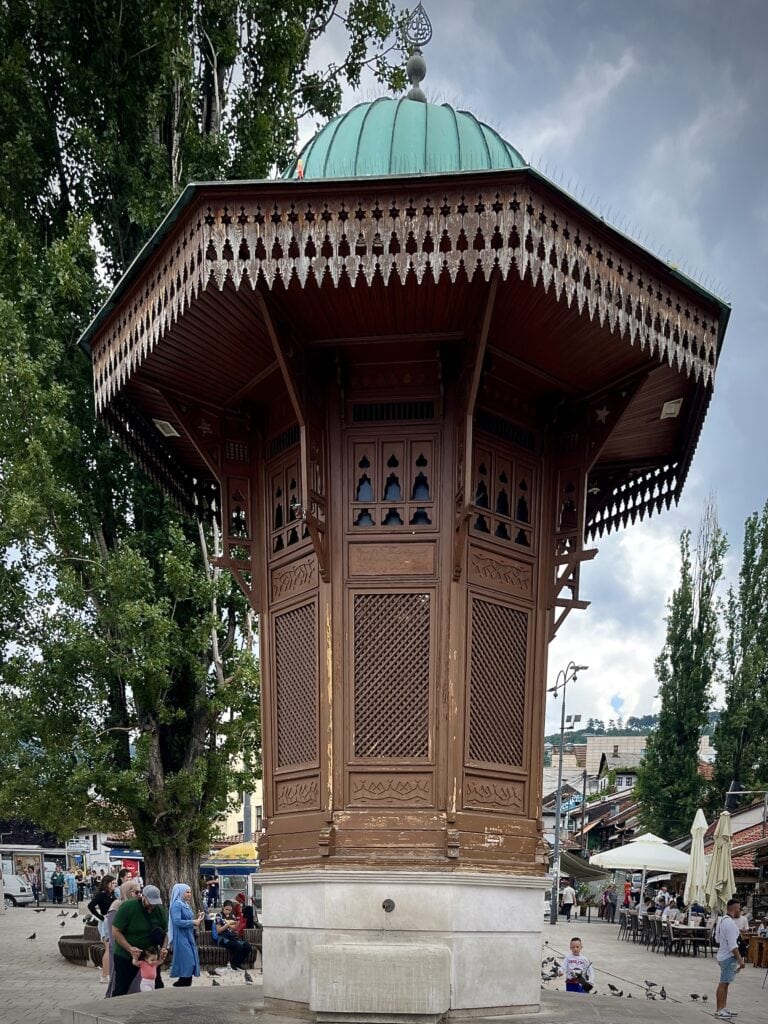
point(391, 675)
point(497, 683)
point(296, 686)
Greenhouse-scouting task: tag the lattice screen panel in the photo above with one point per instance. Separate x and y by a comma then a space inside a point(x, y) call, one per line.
point(391, 675)
point(497, 683)
point(296, 679)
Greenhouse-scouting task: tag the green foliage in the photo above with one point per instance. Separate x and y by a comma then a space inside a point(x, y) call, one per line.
point(669, 787)
point(113, 710)
point(740, 736)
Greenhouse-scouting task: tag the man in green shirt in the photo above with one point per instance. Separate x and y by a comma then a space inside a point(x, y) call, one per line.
point(137, 924)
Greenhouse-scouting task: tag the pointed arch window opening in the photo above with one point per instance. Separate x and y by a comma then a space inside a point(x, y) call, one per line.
point(393, 482)
point(503, 491)
point(288, 531)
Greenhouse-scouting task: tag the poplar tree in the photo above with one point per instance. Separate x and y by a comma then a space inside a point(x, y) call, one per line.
point(128, 682)
point(740, 736)
point(669, 787)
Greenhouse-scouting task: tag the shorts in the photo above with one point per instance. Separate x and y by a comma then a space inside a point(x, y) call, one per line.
point(104, 931)
point(728, 970)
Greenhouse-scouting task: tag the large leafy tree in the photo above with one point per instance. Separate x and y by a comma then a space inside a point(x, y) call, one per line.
point(669, 787)
point(739, 738)
point(128, 685)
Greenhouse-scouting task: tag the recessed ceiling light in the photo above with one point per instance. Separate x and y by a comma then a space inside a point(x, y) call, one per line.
point(166, 429)
point(671, 409)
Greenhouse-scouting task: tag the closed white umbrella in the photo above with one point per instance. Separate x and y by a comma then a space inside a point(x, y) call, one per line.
point(696, 878)
point(646, 853)
point(720, 884)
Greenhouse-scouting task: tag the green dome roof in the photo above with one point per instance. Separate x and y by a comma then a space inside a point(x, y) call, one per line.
point(391, 136)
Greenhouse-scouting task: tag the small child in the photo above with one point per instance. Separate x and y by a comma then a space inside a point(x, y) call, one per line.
point(147, 962)
point(578, 971)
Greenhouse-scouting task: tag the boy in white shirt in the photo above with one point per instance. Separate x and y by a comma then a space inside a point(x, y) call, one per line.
point(578, 970)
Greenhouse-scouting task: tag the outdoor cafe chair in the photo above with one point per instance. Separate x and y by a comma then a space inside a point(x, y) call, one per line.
point(623, 924)
point(633, 927)
point(658, 935)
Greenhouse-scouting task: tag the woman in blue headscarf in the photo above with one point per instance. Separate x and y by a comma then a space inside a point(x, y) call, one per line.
point(181, 933)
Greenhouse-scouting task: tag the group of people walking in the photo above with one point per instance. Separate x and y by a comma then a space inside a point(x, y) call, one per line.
point(140, 934)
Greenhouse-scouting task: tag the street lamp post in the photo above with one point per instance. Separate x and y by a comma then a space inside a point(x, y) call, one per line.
point(564, 676)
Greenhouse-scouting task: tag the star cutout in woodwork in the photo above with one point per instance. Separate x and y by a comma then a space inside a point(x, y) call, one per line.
point(602, 414)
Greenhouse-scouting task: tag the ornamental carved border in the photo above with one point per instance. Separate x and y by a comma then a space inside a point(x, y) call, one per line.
point(512, 230)
point(494, 795)
point(294, 578)
point(297, 795)
point(510, 577)
point(375, 789)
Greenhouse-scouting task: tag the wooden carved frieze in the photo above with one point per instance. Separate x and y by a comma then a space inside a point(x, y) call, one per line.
point(507, 230)
point(395, 790)
point(500, 573)
point(297, 795)
point(295, 578)
point(494, 794)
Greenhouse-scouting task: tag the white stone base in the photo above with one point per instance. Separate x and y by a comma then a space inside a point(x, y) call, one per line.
point(374, 983)
point(491, 925)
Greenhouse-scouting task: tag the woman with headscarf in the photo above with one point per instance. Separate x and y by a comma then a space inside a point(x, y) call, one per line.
point(181, 934)
point(130, 890)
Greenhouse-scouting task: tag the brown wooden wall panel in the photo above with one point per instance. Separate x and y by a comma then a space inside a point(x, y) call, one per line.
point(508, 575)
point(390, 789)
point(286, 581)
point(494, 794)
point(296, 685)
point(388, 559)
point(297, 794)
point(391, 675)
point(497, 683)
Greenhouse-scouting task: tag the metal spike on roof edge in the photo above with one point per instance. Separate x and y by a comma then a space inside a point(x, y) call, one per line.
point(418, 32)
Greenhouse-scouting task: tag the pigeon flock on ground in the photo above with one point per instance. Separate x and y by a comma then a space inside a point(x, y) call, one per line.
point(550, 969)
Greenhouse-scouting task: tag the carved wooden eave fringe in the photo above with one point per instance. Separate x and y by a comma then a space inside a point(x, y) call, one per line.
point(518, 231)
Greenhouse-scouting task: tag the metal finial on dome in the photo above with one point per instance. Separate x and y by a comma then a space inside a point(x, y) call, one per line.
point(418, 32)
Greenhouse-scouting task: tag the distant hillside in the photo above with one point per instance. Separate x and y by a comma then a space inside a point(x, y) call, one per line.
point(618, 727)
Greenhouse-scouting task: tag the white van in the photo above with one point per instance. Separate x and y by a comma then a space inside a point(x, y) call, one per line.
point(18, 891)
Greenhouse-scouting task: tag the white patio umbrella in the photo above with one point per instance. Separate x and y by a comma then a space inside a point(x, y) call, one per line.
point(696, 878)
point(646, 853)
point(720, 884)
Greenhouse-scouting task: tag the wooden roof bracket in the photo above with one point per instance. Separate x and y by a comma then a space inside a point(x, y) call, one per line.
point(228, 445)
point(567, 579)
point(291, 359)
point(469, 385)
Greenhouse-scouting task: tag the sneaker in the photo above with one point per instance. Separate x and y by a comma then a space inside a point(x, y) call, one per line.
point(724, 1014)
point(223, 970)
point(103, 980)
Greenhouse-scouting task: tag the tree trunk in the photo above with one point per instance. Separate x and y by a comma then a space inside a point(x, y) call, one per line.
point(165, 867)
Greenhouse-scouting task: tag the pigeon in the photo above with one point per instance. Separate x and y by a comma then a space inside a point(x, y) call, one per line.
point(612, 987)
point(616, 991)
point(62, 914)
point(62, 924)
point(215, 983)
point(629, 996)
point(651, 984)
point(663, 992)
point(38, 910)
point(75, 915)
point(32, 936)
point(211, 973)
point(649, 994)
point(694, 996)
point(248, 979)
point(704, 999)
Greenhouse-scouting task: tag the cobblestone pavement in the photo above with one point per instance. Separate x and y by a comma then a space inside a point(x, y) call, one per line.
point(36, 984)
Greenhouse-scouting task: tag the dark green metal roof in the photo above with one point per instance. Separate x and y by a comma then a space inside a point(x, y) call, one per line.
point(400, 136)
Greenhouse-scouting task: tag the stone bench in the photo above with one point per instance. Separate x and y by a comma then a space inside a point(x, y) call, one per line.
point(85, 949)
point(378, 982)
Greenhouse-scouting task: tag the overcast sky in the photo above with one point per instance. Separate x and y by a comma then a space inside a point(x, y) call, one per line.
point(653, 113)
